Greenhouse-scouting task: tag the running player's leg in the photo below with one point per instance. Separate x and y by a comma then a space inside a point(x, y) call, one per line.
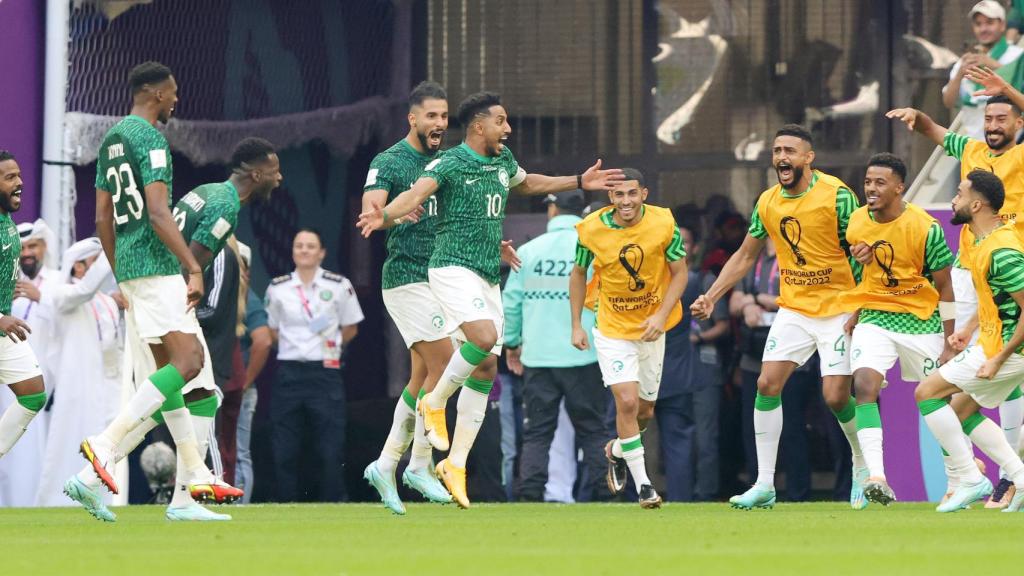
point(419, 474)
point(873, 353)
point(986, 434)
point(19, 370)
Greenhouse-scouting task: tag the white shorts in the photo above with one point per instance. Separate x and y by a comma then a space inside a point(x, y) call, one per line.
point(795, 337)
point(466, 297)
point(17, 362)
point(878, 349)
point(631, 361)
point(962, 372)
point(139, 357)
point(416, 312)
point(158, 306)
point(966, 298)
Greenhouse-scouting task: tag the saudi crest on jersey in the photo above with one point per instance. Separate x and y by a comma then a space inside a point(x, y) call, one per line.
point(132, 156)
point(208, 215)
point(409, 245)
point(471, 195)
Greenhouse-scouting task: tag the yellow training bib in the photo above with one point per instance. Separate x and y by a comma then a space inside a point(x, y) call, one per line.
point(632, 270)
point(893, 280)
point(1009, 166)
point(989, 324)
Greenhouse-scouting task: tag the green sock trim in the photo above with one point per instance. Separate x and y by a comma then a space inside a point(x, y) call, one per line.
point(168, 381)
point(422, 393)
point(868, 416)
point(409, 400)
point(766, 403)
point(928, 406)
point(174, 401)
point(481, 386)
point(848, 412)
point(33, 402)
point(944, 453)
point(631, 445)
point(1015, 394)
point(971, 422)
point(206, 407)
point(472, 353)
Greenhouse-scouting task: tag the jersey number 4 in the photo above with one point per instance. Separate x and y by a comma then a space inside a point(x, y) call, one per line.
point(123, 181)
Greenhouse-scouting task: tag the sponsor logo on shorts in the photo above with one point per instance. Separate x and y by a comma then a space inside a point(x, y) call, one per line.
point(326, 295)
point(437, 321)
point(617, 366)
point(478, 303)
point(771, 344)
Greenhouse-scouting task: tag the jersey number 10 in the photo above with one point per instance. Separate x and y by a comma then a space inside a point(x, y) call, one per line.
point(123, 181)
point(493, 205)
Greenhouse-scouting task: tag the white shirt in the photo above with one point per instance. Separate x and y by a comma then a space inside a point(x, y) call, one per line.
point(292, 308)
point(974, 111)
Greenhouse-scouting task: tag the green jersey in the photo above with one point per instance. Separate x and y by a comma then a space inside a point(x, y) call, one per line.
point(1006, 276)
point(471, 194)
point(936, 257)
point(208, 215)
point(410, 245)
point(10, 254)
point(132, 156)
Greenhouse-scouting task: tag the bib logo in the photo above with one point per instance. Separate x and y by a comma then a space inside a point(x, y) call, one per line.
point(631, 256)
point(503, 177)
point(437, 322)
point(791, 230)
point(617, 366)
point(478, 303)
point(884, 256)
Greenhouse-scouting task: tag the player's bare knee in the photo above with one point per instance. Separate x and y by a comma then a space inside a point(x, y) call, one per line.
point(627, 405)
point(865, 388)
point(836, 399)
point(767, 386)
point(487, 370)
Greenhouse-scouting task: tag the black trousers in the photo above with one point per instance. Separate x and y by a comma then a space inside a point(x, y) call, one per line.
point(688, 428)
point(308, 402)
point(585, 402)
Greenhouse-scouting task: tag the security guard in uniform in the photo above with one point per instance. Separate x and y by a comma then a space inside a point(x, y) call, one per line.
point(313, 314)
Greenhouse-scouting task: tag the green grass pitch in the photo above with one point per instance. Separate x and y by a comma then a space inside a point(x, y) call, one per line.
point(615, 539)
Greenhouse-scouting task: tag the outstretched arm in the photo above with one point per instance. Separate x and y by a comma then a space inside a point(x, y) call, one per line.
point(733, 271)
point(919, 122)
point(594, 179)
point(377, 216)
point(994, 85)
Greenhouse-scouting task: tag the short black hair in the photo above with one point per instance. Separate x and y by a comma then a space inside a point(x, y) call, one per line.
point(795, 130)
point(890, 161)
point(150, 72)
point(1000, 99)
point(988, 185)
point(311, 230)
point(5, 156)
point(475, 105)
point(634, 174)
point(250, 150)
point(426, 90)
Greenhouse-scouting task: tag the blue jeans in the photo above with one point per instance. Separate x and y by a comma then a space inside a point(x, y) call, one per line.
point(244, 479)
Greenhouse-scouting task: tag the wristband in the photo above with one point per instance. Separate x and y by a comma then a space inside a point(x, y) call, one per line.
point(579, 181)
point(947, 311)
point(384, 213)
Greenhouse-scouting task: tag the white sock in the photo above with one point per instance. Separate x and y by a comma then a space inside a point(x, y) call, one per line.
point(179, 423)
point(987, 437)
point(455, 373)
point(422, 452)
point(1011, 413)
point(871, 446)
point(767, 431)
point(946, 428)
point(472, 408)
point(201, 426)
point(13, 424)
point(850, 431)
point(617, 448)
point(635, 460)
point(403, 425)
point(146, 400)
point(126, 446)
point(952, 478)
